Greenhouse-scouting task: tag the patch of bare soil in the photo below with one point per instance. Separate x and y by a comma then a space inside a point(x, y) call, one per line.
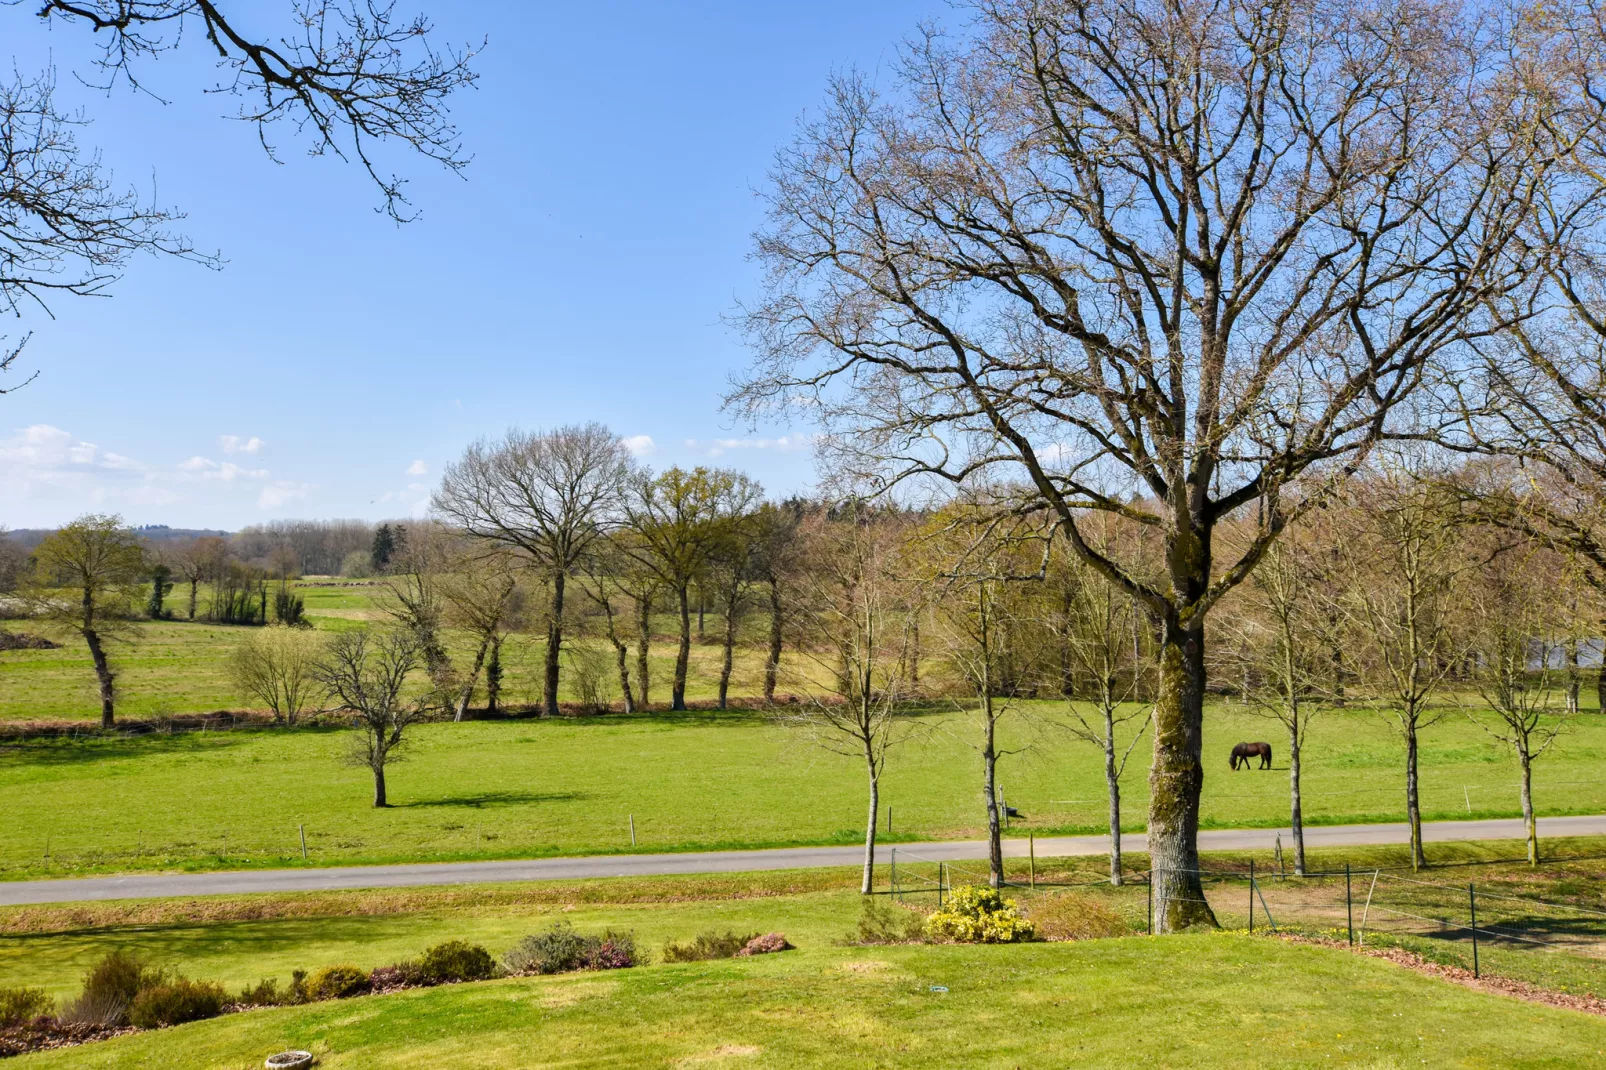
point(1587, 1002)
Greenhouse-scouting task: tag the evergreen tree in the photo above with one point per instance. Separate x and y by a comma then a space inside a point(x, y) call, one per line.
point(160, 585)
point(384, 547)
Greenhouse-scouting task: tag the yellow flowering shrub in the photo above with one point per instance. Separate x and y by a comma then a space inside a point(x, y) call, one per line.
point(975, 915)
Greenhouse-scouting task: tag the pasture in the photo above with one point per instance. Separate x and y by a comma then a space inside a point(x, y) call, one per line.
point(698, 780)
point(526, 787)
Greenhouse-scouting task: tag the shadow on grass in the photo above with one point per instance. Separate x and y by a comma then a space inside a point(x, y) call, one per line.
point(497, 798)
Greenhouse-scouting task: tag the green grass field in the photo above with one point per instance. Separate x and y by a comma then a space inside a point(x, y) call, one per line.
point(699, 780)
point(1091, 1003)
point(1231, 1001)
point(530, 787)
point(169, 667)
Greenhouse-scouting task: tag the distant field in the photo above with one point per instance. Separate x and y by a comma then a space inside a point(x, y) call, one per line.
point(182, 667)
point(533, 787)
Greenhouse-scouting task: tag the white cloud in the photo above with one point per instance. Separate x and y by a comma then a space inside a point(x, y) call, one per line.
point(240, 444)
point(640, 445)
point(784, 444)
point(281, 493)
point(418, 468)
point(227, 471)
point(43, 462)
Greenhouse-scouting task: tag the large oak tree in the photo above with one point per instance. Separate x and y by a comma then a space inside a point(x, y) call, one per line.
point(1172, 261)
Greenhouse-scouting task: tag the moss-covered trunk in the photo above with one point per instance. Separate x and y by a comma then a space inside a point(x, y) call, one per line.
point(1176, 779)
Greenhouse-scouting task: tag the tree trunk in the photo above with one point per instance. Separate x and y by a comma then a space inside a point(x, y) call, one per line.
point(914, 654)
point(379, 786)
point(989, 761)
point(467, 694)
point(194, 592)
point(552, 669)
point(677, 690)
point(701, 605)
point(103, 673)
point(554, 645)
point(1528, 821)
point(644, 625)
point(1296, 813)
point(772, 662)
point(1573, 680)
point(493, 677)
point(1413, 811)
point(1112, 781)
point(1176, 779)
point(730, 651)
point(620, 652)
point(865, 887)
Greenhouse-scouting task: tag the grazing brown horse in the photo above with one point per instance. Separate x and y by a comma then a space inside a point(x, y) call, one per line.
point(1245, 751)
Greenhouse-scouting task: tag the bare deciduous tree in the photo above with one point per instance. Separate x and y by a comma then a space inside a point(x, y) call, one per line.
point(366, 673)
point(1160, 260)
point(1099, 628)
point(411, 595)
point(1400, 556)
point(1281, 630)
point(347, 75)
point(852, 606)
point(548, 495)
point(1518, 670)
point(483, 597)
point(678, 520)
point(200, 560)
point(278, 666)
point(86, 578)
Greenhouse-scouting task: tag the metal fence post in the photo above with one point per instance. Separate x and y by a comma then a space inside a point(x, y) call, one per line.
point(1472, 899)
point(1349, 906)
point(303, 829)
point(1251, 896)
point(892, 879)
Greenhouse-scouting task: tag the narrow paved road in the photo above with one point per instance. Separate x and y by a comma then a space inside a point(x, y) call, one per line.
point(19, 893)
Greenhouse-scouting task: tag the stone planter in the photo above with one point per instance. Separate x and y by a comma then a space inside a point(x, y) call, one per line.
point(289, 1060)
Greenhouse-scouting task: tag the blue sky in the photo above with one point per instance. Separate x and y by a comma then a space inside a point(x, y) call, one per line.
point(337, 362)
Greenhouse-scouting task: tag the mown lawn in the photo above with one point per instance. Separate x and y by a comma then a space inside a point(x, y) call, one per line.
point(534, 787)
point(1207, 1001)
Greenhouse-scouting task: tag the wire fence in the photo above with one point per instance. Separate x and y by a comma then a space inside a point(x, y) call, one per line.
point(1488, 925)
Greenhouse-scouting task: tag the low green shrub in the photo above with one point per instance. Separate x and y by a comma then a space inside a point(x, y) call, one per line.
point(456, 960)
point(175, 1002)
point(265, 993)
point(22, 1005)
point(110, 987)
point(560, 950)
point(976, 915)
point(707, 945)
point(336, 982)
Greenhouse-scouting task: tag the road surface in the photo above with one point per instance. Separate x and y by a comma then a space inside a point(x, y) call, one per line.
point(81, 889)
